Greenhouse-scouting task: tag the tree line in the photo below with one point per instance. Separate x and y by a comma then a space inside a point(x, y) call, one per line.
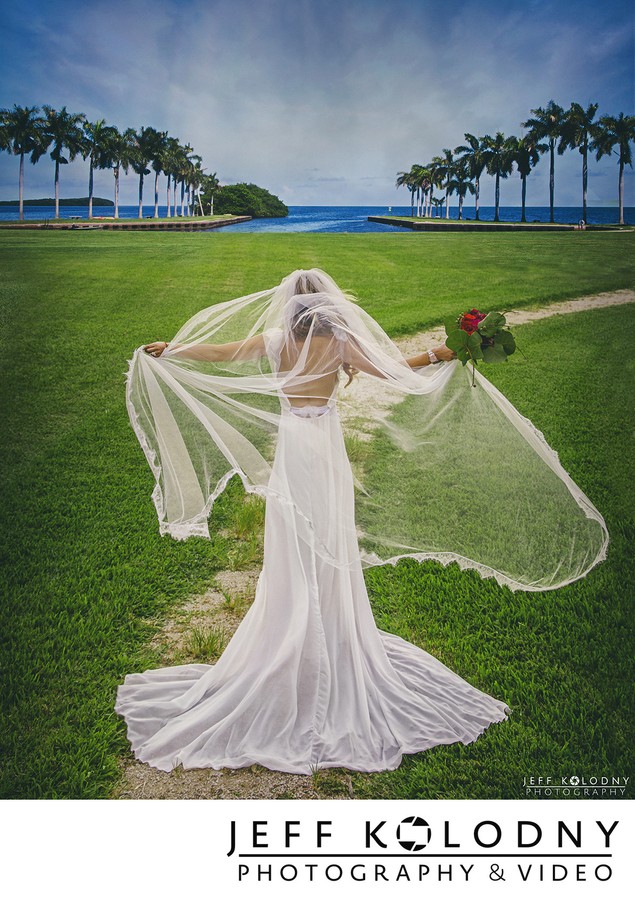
point(550, 129)
point(28, 131)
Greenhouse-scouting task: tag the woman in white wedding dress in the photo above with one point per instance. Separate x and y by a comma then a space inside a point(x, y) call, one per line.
point(308, 680)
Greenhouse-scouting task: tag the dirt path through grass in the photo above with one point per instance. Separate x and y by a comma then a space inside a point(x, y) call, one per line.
point(207, 621)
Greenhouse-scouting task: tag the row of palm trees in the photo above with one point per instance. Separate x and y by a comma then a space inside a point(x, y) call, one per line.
point(549, 129)
point(27, 131)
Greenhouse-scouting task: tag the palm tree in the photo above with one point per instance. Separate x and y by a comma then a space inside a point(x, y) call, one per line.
point(98, 138)
point(498, 160)
point(547, 123)
point(578, 129)
point(170, 167)
point(616, 131)
point(181, 174)
point(193, 182)
point(63, 130)
point(121, 150)
point(416, 183)
point(422, 177)
point(157, 160)
point(145, 143)
point(526, 154)
point(461, 184)
point(473, 154)
point(211, 184)
point(437, 201)
point(406, 179)
point(443, 167)
point(436, 180)
point(21, 133)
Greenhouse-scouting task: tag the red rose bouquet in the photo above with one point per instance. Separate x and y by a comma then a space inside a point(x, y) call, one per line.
point(478, 336)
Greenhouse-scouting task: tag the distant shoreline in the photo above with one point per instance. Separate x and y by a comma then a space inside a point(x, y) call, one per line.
point(48, 201)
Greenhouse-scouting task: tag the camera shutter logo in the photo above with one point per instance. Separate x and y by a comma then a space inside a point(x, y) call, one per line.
point(413, 833)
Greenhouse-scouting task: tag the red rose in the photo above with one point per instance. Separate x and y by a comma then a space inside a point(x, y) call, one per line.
point(470, 321)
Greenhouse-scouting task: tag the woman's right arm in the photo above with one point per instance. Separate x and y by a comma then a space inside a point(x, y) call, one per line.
point(252, 348)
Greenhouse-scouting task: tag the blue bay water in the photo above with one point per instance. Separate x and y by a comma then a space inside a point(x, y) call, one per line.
point(338, 219)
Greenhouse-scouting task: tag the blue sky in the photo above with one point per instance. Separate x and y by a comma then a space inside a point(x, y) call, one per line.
point(320, 101)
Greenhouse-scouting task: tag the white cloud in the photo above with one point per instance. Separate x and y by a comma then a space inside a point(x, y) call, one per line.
point(265, 92)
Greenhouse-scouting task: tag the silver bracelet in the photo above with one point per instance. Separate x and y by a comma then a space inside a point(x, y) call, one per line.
point(432, 357)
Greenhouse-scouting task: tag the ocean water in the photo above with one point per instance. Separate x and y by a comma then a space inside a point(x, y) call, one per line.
point(330, 219)
point(338, 219)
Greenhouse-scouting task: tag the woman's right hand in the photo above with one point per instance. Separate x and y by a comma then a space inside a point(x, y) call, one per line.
point(155, 349)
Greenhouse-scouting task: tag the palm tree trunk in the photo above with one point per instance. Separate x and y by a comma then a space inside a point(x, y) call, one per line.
point(116, 172)
point(621, 189)
point(156, 194)
point(21, 187)
point(524, 194)
point(412, 202)
point(585, 175)
point(447, 198)
point(200, 204)
point(182, 198)
point(498, 196)
point(476, 196)
point(169, 196)
point(461, 198)
point(90, 189)
point(57, 188)
point(552, 178)
point(141, 195)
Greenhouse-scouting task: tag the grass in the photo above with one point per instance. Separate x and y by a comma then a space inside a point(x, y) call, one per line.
point(562, 660)
point(206, 644)
point(84, 568)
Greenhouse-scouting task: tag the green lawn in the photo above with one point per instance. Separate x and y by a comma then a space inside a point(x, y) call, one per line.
point(84, 567)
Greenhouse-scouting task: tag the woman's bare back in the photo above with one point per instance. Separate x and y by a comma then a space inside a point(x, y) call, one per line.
point(321, 366)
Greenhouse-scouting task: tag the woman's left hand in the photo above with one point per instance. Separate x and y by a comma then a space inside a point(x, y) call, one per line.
point(444, 354)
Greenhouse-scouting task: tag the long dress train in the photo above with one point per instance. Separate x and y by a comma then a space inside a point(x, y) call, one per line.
point(308, 680)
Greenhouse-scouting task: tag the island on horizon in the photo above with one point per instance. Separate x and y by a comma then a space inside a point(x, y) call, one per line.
point(50, 201)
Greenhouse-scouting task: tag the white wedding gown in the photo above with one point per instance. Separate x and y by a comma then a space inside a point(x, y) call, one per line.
point(308, 680)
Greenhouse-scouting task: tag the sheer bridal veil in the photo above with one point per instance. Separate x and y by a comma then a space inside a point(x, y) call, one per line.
point(443, 471)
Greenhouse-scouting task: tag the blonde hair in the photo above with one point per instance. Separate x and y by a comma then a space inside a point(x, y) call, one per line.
point(304, 320)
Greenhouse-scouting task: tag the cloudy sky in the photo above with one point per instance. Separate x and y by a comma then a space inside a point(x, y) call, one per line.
point(320, 101)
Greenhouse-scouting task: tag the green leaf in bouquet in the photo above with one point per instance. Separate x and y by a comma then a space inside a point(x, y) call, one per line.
point(463, 355)
point(506, 340)
point(451, 324)
point(491, 323)
point(457, 340)
point(495, 353)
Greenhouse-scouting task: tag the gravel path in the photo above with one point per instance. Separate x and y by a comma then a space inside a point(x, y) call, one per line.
point(210, 619)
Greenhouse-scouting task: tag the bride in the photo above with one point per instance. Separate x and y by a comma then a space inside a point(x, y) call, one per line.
point(251, 388)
